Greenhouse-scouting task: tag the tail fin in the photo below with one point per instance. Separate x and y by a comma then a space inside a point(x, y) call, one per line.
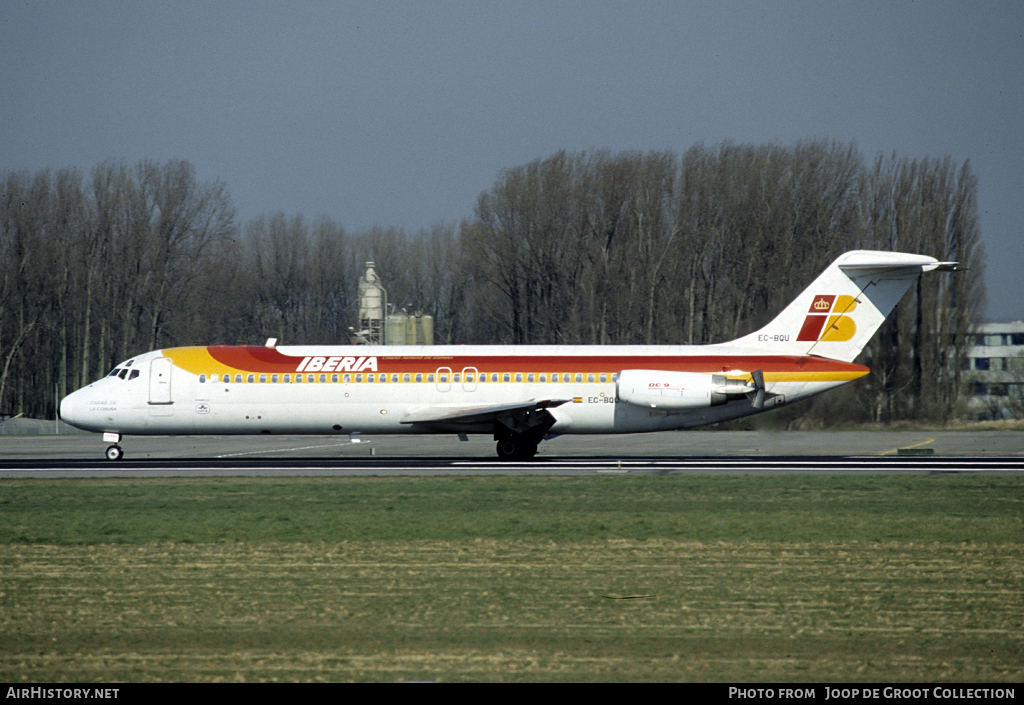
point(836, 315)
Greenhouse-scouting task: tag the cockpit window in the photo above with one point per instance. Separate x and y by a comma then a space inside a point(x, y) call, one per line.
point(123, 373)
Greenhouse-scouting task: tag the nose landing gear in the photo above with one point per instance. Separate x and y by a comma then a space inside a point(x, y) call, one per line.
point(114, 452)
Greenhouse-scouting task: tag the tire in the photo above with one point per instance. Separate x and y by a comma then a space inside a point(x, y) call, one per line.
point(516, 449)
point(507, 449)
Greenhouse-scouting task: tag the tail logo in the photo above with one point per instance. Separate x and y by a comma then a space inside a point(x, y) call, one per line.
point(827, 320)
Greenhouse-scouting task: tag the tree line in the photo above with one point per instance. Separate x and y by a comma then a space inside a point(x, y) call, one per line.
point(577, 248)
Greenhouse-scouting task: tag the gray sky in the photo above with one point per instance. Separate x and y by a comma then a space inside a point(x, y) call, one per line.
point(401, 113)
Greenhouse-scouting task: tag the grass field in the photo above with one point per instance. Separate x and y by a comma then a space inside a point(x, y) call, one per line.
point(870, 578)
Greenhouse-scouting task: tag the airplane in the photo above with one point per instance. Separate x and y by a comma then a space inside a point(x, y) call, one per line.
point(517, 394)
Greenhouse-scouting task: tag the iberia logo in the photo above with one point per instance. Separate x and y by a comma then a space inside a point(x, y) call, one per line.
point(826, 319)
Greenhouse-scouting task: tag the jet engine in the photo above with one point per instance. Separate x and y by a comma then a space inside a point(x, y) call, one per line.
point(678, 391)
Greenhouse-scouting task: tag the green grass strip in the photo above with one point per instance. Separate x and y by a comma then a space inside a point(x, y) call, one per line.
point(983, 509)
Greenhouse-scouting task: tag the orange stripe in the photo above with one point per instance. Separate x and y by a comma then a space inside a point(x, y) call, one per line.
point(776, 368)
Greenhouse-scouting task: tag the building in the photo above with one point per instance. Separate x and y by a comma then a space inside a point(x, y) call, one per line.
point(995, 371)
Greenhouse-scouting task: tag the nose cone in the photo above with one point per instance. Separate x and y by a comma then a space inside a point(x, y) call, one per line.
point(73, 409)
point(66, 411)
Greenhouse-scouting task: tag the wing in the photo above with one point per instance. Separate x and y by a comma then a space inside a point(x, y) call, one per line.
point(511, 415)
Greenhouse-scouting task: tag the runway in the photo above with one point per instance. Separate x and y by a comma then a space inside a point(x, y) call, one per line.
point(683, 453)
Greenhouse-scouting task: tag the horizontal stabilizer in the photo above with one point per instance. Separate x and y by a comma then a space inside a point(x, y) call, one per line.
point(864, 260)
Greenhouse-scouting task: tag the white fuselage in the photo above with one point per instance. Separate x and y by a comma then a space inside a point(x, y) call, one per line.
point(355, 389)
point(517, 393)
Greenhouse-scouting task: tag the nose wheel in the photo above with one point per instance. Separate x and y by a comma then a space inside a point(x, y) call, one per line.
point(114, 453)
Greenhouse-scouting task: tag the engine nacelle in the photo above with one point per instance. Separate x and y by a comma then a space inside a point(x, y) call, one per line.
point(677, 391)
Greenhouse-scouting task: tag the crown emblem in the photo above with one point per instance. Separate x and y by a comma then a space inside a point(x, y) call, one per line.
point(822, 305)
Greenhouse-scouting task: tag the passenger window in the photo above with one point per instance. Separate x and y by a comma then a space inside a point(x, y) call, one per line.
point(202, 378)
point(519, 376)
point(238, 379)
point(505, 377)
point(263, 379)
point(579, 377)
point(371, 378)
point(406, 377)
point(419, 377)
point(334, 378)
point(273, 378)
point(590, 377)
point(529, 378)
point(323, 379)
point(251, 378)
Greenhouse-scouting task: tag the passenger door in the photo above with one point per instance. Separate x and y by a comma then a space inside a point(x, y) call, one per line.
point(160, 381)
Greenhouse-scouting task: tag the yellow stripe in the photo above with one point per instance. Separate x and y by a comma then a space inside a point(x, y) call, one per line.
point(197, 360)
point(823, 376)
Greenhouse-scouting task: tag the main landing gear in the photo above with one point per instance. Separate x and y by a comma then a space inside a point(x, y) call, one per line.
point(516, 449)
point(520, 431)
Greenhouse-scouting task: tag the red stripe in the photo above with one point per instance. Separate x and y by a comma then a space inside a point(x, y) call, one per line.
point(263, 359)
point(253, 358)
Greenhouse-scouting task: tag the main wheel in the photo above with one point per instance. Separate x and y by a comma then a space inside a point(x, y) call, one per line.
point(516, 449)
point(114, 453)
point(506, 450)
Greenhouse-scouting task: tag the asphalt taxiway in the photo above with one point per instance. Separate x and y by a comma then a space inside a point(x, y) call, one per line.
point(686, 452)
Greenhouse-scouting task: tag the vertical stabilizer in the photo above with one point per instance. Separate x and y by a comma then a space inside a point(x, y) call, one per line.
point(838, 313)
